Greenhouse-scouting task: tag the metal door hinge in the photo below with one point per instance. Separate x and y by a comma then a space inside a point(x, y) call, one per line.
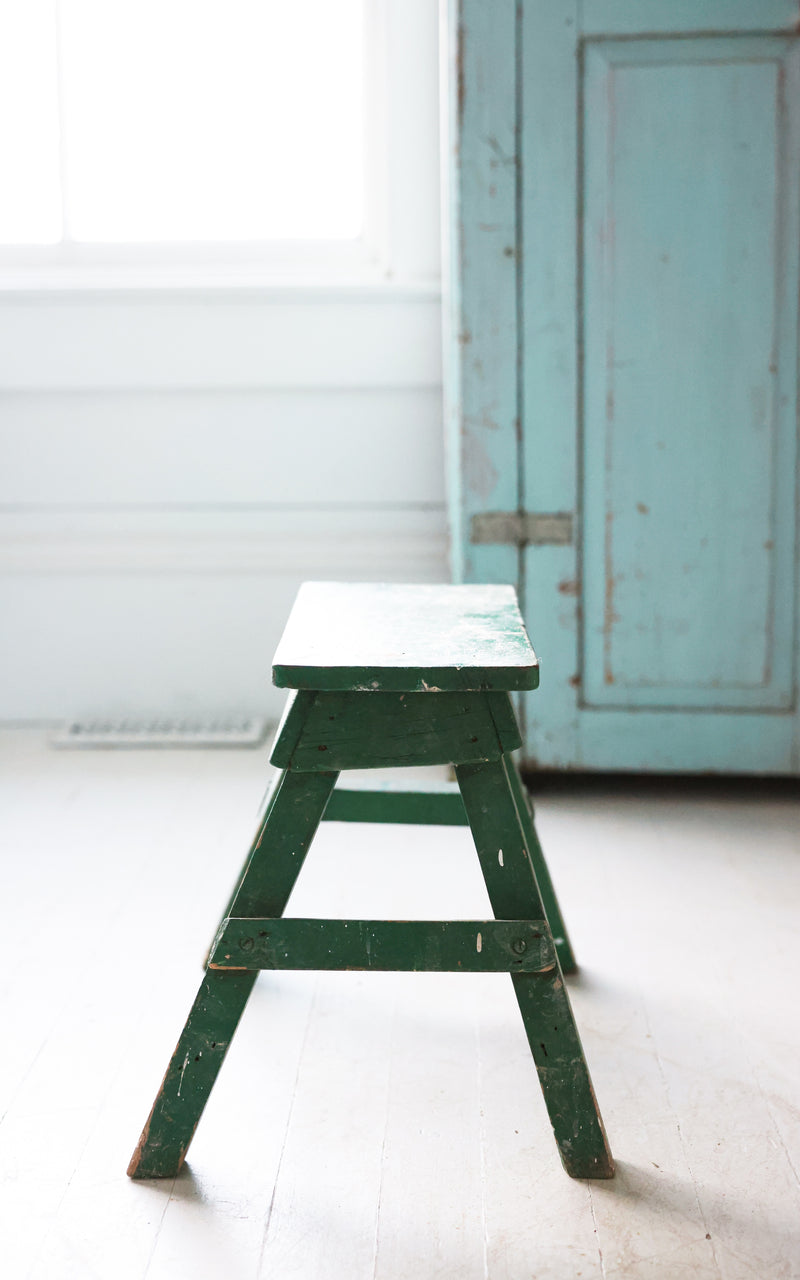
point(522, 528)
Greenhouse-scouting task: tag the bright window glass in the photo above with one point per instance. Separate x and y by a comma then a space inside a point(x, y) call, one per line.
point(186, 120)
point(30, 188)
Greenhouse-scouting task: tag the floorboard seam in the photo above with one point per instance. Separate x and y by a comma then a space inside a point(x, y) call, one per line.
point(389, 1076)
point(157, 1237)
point(301, 1056)
point(597, 1233)
point(662, 1073)
point(482, 1145)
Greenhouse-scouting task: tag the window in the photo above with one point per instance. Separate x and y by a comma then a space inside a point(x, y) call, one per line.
point(201, 137)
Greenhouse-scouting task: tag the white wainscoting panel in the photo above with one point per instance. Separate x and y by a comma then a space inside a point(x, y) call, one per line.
point(388, 336)
point(251, 447)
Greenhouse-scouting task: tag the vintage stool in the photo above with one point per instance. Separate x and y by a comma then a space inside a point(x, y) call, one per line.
point(387, 676)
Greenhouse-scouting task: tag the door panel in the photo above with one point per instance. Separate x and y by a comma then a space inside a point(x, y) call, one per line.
point(690, 234)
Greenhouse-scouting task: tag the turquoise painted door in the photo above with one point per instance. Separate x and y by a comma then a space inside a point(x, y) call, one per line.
point(622, 367)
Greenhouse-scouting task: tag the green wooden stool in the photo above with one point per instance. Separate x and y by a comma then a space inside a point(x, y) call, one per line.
point(388, 676)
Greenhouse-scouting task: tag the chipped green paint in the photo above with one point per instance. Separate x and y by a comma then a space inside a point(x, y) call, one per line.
point(267, 881)
point(543, 1000)
point(466, 946)
point(433, 803)
point(321, 732)
point(378, 730)
point(540, 868)
point(406, 639)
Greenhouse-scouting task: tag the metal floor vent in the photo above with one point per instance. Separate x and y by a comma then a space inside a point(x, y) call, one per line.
point(248, 731)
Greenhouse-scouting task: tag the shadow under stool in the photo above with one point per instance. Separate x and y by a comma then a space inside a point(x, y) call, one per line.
point(387, 676)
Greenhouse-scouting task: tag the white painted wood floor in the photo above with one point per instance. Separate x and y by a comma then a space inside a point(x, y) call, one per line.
point(370, 1126)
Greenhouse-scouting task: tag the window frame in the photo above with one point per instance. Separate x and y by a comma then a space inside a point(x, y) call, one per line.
point(398, 250)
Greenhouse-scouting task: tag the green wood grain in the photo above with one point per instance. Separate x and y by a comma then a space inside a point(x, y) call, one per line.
point(469, 946)
point(398, 638)
point(540, 869)
point(268, 801)
point(290, 726)
point(275, 861)
point(440, 804)
point(191, 1074)
point(543, 1000)
point(268, 879)
point(432, 803)
point(374, 730)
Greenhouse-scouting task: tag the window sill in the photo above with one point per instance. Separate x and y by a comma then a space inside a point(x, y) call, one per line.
point(262, 284)
point(219, 337)
point(290, 269)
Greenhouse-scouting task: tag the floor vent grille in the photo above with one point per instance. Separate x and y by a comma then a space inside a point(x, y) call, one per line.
point(247, 731)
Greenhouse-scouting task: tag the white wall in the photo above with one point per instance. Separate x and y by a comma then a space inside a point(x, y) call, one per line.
point(155, 520)
point(175, 461)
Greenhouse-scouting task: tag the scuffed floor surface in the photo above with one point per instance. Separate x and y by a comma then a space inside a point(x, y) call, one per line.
point(375, 1126)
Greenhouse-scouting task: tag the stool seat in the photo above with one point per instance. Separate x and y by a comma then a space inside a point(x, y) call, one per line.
point(405, 639)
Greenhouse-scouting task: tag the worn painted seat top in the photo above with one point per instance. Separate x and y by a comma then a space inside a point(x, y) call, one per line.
point(375, 636)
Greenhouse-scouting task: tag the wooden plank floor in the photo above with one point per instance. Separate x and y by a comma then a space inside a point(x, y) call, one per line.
point(377, 1126)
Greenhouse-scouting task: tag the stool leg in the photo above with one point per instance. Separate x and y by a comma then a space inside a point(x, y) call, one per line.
point(275, 860)
point(540, 869)
point(542, 997)
point(266, 808)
